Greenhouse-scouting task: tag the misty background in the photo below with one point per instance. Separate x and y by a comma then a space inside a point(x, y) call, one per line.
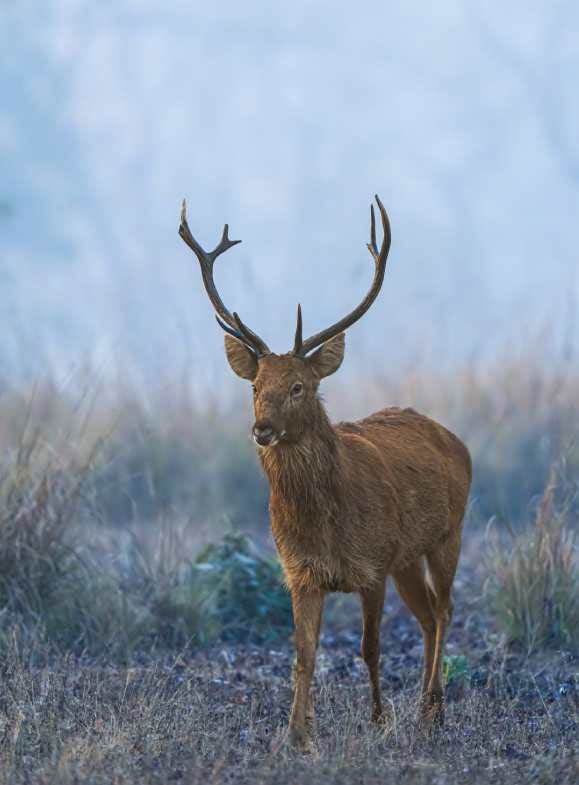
point(284, 120)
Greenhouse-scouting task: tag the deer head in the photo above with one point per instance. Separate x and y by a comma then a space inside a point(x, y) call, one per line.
point(285, 386)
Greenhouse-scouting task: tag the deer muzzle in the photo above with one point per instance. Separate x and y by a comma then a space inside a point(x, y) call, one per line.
point(264, 434)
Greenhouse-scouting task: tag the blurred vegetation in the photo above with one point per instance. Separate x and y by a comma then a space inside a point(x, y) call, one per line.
point(40, 505)
point(533, 579)
point(108, 500)
point(73, 593)
point(165, 453)
point(160, 454)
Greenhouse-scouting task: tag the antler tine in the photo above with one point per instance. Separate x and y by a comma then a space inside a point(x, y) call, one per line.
point(380, 258)
point(205, 257)
point(226, 328)
point(224, 245)
point(259, 346)
point(245, 335)
point(372, 247)
point(298, 339)
point(207, 260)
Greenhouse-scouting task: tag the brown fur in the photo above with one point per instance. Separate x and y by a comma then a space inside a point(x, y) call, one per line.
point(350, 505)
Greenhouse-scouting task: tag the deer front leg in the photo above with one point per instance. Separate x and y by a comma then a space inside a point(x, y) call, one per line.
point(307, 610)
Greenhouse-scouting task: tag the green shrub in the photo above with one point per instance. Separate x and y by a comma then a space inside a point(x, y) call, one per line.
point(455, 670)
point(534, 579)
point(239, 592)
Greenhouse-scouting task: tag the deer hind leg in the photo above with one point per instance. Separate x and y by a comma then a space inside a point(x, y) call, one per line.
point(419, 598)
point(307, 610)
point(372, 607)
point(442, 565)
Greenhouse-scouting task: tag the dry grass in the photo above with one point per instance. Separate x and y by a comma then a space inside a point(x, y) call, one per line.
point(167, 453)
point(42, 487)
point(71, 585)
point(220, 716)
point(533, 580)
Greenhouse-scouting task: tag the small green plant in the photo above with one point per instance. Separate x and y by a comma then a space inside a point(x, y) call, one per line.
point(238, 592)
point(455, 670)
point(534, 579)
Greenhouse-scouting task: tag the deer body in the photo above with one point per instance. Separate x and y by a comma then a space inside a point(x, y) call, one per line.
point(358, 501)
point(354, 503)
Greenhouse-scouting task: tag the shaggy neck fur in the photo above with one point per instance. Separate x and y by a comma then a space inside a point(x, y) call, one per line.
point(304, 474)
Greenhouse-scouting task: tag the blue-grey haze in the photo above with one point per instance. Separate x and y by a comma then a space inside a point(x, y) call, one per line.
point(284, 119)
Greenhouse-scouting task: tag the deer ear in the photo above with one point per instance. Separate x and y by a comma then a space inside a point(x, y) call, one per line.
point(241, 359)
point(328, 358)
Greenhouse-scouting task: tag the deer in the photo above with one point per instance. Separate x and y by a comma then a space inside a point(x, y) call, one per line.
point(351, 503)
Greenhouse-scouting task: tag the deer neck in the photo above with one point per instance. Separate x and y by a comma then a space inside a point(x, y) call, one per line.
point(304, 472)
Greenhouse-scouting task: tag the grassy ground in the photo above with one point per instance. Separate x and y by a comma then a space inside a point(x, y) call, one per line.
point(219, 715)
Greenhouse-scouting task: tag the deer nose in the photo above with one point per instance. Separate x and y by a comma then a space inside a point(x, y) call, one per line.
point(263, 433)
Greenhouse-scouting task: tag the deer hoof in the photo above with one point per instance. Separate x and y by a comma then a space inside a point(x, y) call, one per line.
point(384, 720)
point(431, 713)
point(301, 741)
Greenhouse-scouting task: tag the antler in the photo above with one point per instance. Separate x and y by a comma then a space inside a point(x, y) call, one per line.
point(231, 323)
point(301, 348)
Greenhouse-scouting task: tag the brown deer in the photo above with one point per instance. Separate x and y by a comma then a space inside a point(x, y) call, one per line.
point(350, 503)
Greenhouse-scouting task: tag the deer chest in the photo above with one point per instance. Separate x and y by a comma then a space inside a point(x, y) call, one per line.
point(321, 560)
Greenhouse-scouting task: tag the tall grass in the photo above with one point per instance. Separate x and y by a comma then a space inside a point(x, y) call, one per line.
point(42, 485)
point(533, 580)
point(107, 496)
point(71, 583)
point(167, 453)
point(162, 453)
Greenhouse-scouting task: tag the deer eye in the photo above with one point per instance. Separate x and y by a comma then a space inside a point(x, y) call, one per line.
point(297, 389)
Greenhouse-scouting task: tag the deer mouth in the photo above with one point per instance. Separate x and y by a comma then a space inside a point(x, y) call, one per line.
point(270, 441)
point(266, 436)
